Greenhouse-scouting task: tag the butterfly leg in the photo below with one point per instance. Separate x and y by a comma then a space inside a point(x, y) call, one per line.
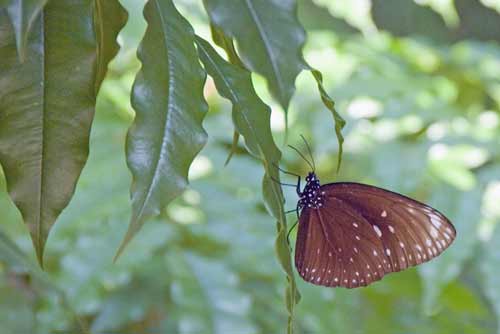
point(290, 231)
point(293, 226)
point(283, 184)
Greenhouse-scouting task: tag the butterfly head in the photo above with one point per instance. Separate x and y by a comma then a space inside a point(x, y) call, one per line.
point(311, 196)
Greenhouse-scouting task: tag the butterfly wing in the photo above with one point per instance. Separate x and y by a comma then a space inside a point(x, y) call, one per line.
point(369, 232)
point(333, 249)
point(411, 232)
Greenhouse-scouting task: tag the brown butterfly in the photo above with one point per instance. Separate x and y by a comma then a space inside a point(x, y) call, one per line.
point(352, 234)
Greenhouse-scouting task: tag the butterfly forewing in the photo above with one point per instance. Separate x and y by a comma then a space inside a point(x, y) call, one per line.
point(363, 232)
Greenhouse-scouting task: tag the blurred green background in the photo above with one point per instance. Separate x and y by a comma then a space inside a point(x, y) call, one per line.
point(422, 104)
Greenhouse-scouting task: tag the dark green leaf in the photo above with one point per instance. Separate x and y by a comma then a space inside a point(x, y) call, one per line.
point(316, 17)
point(23, 14)
point(46, 110)
point(168, 99)
point(406, 17)
point(477, 21)
point(251, 118)
point(269, 38)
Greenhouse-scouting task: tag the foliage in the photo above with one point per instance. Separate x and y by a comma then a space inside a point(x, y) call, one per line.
point(423, 118)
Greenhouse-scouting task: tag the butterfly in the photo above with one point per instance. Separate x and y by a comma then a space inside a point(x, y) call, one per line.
point(351, 234)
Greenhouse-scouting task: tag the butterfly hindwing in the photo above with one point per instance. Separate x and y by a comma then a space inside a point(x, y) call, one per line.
point(337, 248)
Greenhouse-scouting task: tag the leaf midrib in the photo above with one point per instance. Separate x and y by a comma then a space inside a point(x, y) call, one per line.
point(39, 241)
point(267, 45)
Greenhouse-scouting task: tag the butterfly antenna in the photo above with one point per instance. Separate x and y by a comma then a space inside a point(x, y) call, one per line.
point(302, 156)
point(310, 152)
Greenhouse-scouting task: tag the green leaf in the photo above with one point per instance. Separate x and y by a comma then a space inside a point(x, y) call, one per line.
point(23, 14)
point(462, 208)
point(251, 118)
point(269, 38)
point(168, 99)
point(476, 20)
point(227, 43)
point(411, 19)
point(46, 110)
point(109, 18)
point(330, 104)
point(316, 17)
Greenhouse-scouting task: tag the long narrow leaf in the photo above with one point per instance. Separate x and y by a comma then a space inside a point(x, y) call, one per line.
point(252, 120)
point(269, 37)
point(168, 99)
point(46, 110)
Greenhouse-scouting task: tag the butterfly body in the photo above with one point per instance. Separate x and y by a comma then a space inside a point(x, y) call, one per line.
point(311, 196)
point(352, 234)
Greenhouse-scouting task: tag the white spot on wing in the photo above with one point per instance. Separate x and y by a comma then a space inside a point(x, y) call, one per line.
point(402, 244)
point(435, 220)
point(383, 214)
point(377, 229)
point(434, 233)
point(375, 253)
point(357, 237)
point(391, 228)
point(355, 225)
point(428, 242)
point(388, 251)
